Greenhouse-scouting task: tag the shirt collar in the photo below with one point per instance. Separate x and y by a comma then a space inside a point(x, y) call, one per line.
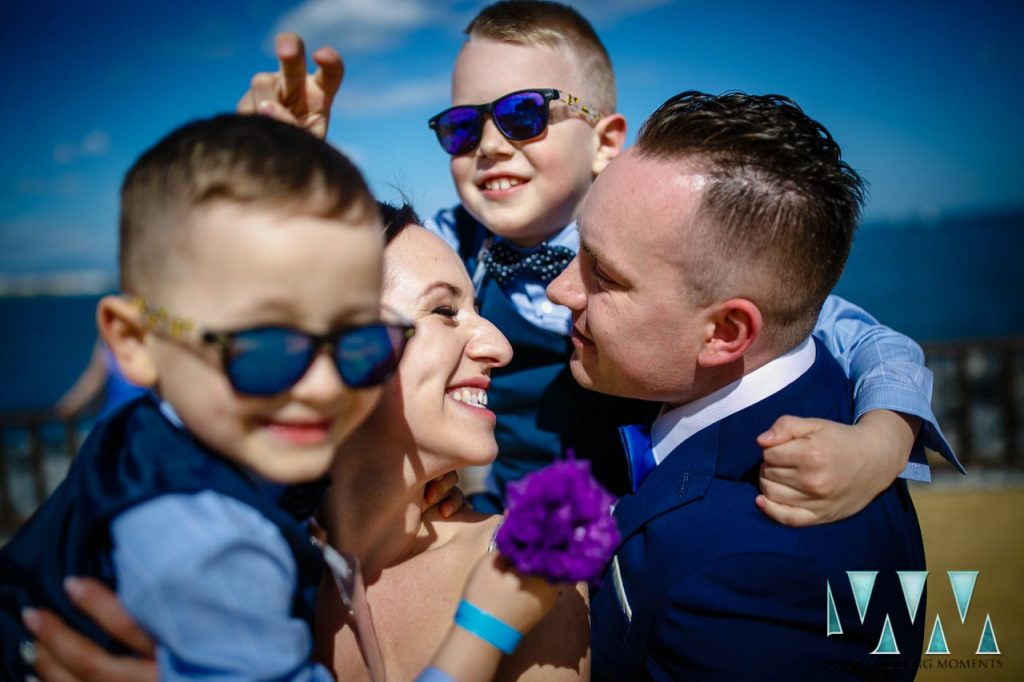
point(169, 413)
point(673, 427)
point(568, 236)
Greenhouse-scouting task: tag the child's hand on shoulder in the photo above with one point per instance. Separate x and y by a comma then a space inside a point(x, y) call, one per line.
point(818, 471)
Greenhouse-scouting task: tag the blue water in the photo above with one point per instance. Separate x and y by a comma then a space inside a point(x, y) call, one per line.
point(961, 278)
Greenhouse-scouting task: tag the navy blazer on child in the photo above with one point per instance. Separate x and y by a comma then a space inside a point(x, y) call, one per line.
point(133, 456)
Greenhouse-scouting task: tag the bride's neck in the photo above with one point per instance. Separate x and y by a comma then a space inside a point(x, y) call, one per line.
point(374, 509)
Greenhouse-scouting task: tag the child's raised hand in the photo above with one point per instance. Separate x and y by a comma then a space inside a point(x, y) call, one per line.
point(292, 94)
point(818, 471)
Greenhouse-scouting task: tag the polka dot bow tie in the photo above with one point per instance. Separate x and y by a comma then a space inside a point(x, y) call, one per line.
point(544, 263)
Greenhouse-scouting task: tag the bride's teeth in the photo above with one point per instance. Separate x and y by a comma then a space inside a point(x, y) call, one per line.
point(504, 183)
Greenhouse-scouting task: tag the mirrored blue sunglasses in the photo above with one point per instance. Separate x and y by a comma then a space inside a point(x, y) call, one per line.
point(263, 361)
point(519, 116)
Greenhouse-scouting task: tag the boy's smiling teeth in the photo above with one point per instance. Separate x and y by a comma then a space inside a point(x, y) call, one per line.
point(501, 183)
point(477, 397)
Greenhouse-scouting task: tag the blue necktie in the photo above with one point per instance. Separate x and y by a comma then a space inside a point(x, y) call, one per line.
point(544, 263)
point(636, 440)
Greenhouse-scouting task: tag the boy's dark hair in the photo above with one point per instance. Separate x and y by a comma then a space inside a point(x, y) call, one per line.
point(251, 160)
point(779, 206)
point(552, 24)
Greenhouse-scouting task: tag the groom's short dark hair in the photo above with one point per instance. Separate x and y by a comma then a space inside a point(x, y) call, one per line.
point(777, 195)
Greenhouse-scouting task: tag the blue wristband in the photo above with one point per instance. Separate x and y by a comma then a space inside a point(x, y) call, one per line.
point(433, 674)
point(487, 627)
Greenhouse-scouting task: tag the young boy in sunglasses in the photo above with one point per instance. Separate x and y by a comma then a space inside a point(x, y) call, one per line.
point(522, 158)
point(250, 256)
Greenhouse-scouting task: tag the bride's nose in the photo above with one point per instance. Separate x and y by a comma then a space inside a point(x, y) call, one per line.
point(487, 344)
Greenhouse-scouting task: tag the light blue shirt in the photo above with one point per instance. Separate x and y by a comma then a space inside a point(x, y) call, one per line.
point(887, 368)
point(212, 580)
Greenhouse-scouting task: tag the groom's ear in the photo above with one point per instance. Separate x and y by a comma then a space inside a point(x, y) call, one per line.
point(733, 326)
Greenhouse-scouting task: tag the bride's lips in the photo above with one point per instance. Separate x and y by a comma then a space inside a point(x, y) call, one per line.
point(300, 433)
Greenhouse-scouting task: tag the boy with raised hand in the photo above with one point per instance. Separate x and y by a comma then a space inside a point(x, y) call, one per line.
point(533, 123)
point(250, 257)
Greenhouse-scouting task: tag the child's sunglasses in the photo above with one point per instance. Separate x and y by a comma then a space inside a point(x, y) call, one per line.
point(520, 115)
point(264, 361)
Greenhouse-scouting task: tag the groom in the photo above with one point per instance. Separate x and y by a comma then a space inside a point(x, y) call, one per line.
point(706, 253)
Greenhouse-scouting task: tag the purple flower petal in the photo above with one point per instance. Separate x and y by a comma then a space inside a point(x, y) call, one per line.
point(559, 524)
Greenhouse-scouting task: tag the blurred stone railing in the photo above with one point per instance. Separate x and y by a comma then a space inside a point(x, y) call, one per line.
point(36, 447)
point(978, 398)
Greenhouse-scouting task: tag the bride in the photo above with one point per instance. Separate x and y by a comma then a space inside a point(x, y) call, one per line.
point(432, 419)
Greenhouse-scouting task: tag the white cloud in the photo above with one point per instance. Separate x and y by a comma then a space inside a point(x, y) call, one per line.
point(63, 184)
point(354, 26)
point(362, 26)
point(395, 97)
point(94, 143)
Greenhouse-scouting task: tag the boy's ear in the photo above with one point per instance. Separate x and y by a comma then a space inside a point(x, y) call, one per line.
point(734, 325)
point(611, 138)
point(121, 327)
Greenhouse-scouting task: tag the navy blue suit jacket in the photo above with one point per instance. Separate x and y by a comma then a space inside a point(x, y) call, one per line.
point(705, 586)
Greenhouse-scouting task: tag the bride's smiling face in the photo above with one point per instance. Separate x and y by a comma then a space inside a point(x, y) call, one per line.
point(440, 389)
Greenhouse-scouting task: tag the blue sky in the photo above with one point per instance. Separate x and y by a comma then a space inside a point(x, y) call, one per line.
point(924, 97)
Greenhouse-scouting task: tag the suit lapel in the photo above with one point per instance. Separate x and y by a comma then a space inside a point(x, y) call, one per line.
point(683, 477)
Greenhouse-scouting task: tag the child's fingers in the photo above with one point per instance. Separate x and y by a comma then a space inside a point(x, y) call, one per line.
point(781, 493)
point(329, 74)
point(291, 56)
point(262, 88)
point(453, 503)
point(102, 605)
point(438, 488)
point(787, 428)
point(799, 453)
point(786, 515)
point(275, 110)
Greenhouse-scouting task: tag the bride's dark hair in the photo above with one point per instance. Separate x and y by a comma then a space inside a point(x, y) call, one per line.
point(396, 218)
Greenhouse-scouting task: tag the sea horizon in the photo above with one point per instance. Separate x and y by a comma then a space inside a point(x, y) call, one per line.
point(933, 278)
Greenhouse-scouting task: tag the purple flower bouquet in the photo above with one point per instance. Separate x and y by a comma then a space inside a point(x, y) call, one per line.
point(558, 524)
